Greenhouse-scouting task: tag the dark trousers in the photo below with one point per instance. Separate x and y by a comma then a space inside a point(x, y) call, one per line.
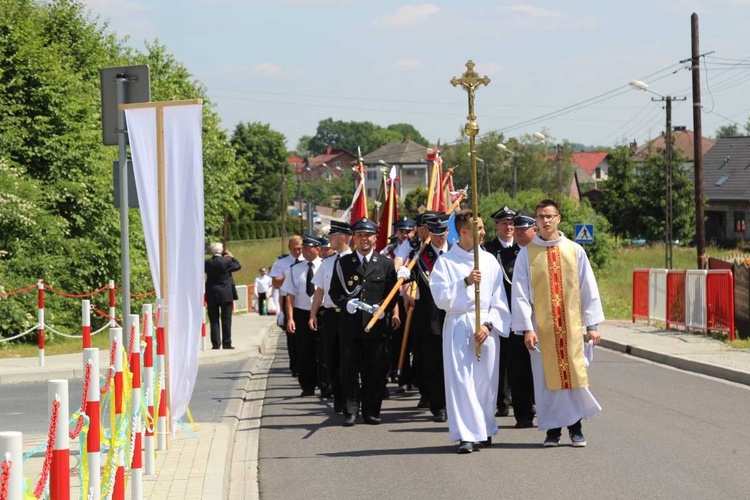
point(324, 378)
point(418, 376)
point(332, 355)
point(262, 304)
point(220, 312)
point(290, 339)
point(306, 347)
point(366, 358)
point(520, 378)
point(573, 429)
point(432, 370)
point(503, 389)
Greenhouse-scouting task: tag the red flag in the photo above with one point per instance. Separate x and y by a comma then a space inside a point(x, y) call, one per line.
point(438, 200)
point(390, 212)
point(358, 208)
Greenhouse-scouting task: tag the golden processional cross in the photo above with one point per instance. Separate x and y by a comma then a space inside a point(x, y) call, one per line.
point(469, 81)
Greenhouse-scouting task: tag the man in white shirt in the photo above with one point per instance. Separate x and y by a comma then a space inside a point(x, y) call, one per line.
point(277, 274)
point(470, 384)
point(338, 237)
point(300, 289)
point(263, 283)
point(556, 303)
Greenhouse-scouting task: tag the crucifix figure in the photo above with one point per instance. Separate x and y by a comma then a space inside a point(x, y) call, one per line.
point(470, 80)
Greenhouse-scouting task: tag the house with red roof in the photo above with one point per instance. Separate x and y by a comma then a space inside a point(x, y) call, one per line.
point(591, 166)
point(331, 164)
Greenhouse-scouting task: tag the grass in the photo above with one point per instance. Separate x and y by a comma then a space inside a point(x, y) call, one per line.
point(254, 254)
point(58, 345)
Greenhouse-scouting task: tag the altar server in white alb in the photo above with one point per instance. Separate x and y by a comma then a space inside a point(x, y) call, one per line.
point(556, 304)
point(470, 384)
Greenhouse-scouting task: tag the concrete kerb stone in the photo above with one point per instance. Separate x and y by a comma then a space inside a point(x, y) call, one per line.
point(690, 365)
point(241, 389)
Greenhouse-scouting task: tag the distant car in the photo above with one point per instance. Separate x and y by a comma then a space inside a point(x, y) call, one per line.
point(638, 241)
point(294, 212)
point(316, 218)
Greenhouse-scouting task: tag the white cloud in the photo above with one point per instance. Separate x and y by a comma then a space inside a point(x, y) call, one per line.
point(536, 12)
point(410, 63)
point(408, 15)
point(268, 69)
point(126, 17)
point(489, 68)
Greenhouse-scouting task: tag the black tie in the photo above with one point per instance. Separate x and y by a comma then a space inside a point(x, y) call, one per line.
point(309, 287)
point(441, 252)
point(364, 263)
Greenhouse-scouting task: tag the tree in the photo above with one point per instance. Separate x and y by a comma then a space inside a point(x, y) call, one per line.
point(351, 135)
point(732, 130)
point(262, 153)
point(408, 131)
point(413, 200)
point(620, 205)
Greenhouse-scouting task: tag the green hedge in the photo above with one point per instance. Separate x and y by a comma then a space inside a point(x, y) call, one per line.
point(259, 230)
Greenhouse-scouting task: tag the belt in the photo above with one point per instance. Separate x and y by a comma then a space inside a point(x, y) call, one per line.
point(335, 309)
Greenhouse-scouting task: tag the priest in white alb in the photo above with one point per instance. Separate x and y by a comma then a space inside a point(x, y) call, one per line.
point(555, 302)
point(470, 384)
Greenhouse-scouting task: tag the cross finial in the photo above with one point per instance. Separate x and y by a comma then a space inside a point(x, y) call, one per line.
point(470, 80)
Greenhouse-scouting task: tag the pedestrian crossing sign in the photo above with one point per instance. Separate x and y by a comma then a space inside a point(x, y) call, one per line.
point(584, 233)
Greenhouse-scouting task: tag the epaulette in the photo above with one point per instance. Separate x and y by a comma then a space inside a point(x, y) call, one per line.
point(284, 255)
point(296, 262)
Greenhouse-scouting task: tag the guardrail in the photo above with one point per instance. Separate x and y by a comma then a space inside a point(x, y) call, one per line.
point(691, 300)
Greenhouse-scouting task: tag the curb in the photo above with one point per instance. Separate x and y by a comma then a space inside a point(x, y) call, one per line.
point(235, 405)
point(690, 365)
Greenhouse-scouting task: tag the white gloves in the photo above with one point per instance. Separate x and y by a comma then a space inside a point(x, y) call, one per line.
point(403, 273)
point(351, 306)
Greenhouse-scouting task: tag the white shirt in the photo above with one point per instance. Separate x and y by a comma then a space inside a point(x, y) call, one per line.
point(263, 284)
point(322, 278)
point(506, 244)
point(296, 282)
point(402, 250)
point(282, 265)
point(362, 257)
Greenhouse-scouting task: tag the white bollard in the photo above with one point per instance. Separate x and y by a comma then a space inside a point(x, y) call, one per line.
point(93, 439)
point(86, 323)
point(148, 386)
point(136, 471)
point(115, 337)
point(161, 373)
point(136, 464)
point(59, 478)
point(11, 450)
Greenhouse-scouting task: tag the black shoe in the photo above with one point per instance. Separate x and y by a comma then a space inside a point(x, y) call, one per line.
point(524, 424)
point(295, 374)
point(338, 407)
point(465, 447)
point(441, 416)
point(370, 420)
point(423, 403)
point(307, 393)
point(350, 420)
point(502, 413)
point(327, 394)
point(553, 439)
point(230, 347)
point(401, 389)
point(215, 348)
point(486, 443)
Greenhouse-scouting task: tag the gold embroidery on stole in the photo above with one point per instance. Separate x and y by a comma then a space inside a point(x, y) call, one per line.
point(557, 310)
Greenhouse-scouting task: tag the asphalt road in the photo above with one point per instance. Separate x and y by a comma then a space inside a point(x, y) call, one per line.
point(663, 433)
point(24, 407)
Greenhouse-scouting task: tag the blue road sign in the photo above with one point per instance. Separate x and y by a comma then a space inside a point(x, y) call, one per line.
point(584, 233)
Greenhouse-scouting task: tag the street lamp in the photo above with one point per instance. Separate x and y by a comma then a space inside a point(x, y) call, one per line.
point(515, 167)
point(668, 172)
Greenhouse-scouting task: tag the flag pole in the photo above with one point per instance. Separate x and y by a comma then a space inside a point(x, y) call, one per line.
point(469, 81)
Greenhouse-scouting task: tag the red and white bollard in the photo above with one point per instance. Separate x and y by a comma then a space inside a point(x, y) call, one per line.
point(148, 385)
point(59, 473)
point(86, 323)
point(115, 338)
point(203, 324)
point(136, 464)
point(161, 428)
point(11, 455)
point(112, 310)
point(40, 321)
point(93, 438)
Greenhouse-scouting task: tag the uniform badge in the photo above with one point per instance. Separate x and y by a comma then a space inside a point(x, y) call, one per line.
point(355, 278)
point(349, 283)
point(427, 273)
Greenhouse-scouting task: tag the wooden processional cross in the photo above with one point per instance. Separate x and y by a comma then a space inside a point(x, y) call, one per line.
point(469, 81)
point(161, 189)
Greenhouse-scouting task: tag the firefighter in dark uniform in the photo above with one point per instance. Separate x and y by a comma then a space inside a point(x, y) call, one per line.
point(505, 249)
point(427, 320)
point(361, 280)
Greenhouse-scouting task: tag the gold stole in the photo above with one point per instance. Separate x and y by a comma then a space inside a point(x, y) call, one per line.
point(557, 308)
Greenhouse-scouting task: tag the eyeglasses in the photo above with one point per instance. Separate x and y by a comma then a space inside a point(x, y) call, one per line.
point(546, 216)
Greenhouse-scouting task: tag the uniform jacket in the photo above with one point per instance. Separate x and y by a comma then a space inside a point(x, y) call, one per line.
point(371, 286)
point(428, 318)
point(219, 283)
point(506, 257)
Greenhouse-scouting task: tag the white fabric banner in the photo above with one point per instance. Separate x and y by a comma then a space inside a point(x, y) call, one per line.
point(183, 162)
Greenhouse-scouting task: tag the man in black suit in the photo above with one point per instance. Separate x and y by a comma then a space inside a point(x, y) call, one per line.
point(220, 292)
point(363, 278)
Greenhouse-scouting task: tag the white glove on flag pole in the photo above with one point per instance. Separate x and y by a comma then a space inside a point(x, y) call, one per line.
point(181, 247)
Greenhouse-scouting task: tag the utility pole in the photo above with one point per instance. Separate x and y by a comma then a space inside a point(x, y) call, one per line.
point(558, 164)
point(283, 207)
point(668, 171)
point(700, 228)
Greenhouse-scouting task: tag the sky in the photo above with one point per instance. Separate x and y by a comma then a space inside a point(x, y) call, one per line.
point(561, 67)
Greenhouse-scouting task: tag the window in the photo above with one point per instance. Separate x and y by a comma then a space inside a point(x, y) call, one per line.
point(598, 173)
point(739, 222)
point(372, 175)
point(337, 164)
